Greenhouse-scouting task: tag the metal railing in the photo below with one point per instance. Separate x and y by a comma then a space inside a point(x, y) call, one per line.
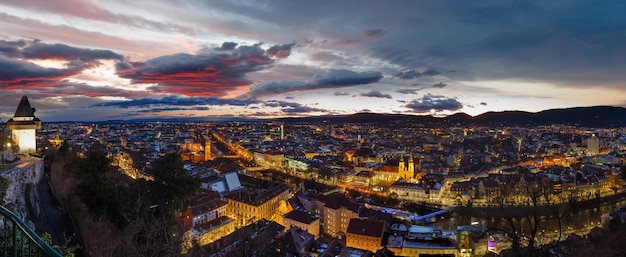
point(17, 239)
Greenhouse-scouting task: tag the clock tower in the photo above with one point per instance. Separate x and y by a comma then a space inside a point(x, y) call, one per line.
point(23, 126)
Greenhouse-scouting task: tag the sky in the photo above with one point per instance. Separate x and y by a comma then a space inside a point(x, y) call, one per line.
point(81, 60)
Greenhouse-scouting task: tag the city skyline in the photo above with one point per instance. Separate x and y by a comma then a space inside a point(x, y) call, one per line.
point(88, 61)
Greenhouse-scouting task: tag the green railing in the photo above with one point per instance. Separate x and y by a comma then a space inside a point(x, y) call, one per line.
point(17, 239)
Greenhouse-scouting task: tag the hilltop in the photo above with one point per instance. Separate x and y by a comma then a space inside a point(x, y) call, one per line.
point(593, 117)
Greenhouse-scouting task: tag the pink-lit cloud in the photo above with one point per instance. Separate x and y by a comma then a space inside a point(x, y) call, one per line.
point(18, 72)
point(90, 11)
point(211, 73)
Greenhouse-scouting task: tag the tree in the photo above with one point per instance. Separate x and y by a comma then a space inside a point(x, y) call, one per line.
point(523, 220)
point(172, 183)
point(92, 188)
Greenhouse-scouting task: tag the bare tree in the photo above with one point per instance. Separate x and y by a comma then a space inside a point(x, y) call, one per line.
point(524, 210)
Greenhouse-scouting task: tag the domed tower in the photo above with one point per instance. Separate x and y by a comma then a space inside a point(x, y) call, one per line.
point(23, 126)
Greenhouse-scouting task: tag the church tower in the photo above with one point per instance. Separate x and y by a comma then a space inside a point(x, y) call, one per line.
point(406, 171)
point(23, 126)
point(411, 167)
point(207, 150)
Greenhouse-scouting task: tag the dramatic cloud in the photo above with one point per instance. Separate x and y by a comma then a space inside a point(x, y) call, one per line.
point(91, 11)
point(377, 94)
point(12, 48)
point(327, 79)
point(280, 51)
point(227, 46)
point(410, 74)
point(66, 88)
point(439, 85)
point(302, 109)
point(409, 91)
point(16, 71)
point(16, 74)
point(81, 53)
point(35, 49)
point(178, 101)
point(431, 102)
point(275, 103)
point(292, 107)
point(64, 52)
point(205, 74)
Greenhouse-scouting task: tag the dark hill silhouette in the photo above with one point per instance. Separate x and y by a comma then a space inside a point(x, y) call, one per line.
point(593, 117)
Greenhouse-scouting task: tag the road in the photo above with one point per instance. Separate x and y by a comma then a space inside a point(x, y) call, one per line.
point(53, 219)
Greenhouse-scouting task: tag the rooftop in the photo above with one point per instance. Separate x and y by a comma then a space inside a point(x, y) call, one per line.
point(24, 109)
point(366, 227)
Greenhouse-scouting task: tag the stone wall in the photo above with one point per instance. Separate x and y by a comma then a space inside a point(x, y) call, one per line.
point(23, 179)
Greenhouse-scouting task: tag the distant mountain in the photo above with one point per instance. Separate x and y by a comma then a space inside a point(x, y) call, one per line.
point(593, 117)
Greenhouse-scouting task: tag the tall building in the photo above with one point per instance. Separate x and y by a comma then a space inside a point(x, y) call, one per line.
point(593, 145)
point(23, 126)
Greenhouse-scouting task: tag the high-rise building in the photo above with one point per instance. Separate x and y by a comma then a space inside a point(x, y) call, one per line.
point(23, 127)
point(593, 145)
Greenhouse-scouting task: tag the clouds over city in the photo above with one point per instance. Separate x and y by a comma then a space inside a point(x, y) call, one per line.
point(17, 70)
point(212, 73)
point(175, 100)
point(118, 56)
point(323, 80)
point(430, 103)
point(377, 94)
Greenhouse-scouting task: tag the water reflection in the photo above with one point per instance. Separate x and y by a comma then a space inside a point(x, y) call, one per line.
point(579, 221)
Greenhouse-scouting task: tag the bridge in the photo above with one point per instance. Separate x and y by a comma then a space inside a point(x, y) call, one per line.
point(17, 239)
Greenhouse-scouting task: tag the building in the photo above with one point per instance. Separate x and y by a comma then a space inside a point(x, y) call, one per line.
point(406, 171)
point(303, 220)
point(23, 126)
point(365, 234)
point(593, 145)
point(390, 172)
point(260, 199)
point(338, 210)
point(202, 208)
point(213, 230)
point(489, 189)
point(294, 242)
point(409, 191)
point(429, 247)
point(207, 149)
